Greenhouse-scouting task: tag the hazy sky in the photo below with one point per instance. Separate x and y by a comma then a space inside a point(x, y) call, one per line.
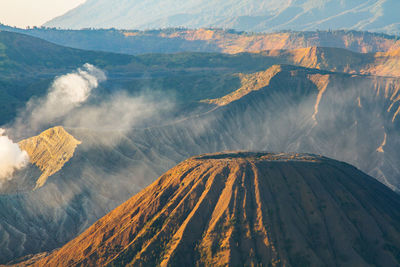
point(22, 13)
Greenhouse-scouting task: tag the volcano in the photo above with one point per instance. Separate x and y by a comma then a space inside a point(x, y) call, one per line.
point(246, 209)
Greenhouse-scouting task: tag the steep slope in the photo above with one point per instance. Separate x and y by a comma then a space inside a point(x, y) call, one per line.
point(340, 60)
point(249, 83)
point(352, 118)
point(28, 65)
point(22, 53)
point(349, 117)
point(386, 64)
point(299, 110)
point(250, 15)
point(96, 179)
point(239, 209)
point(49, 151)
point(334, 59)
point(236, 42)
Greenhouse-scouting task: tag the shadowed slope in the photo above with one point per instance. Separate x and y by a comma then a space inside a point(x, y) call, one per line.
point(347, 117)
point(247, 209)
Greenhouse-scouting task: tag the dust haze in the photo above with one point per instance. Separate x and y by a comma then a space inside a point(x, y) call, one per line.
point(72, 102)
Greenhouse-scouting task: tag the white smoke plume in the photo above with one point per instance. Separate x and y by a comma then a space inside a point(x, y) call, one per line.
point(66, 93)
point(11, 157)
point(119, 112)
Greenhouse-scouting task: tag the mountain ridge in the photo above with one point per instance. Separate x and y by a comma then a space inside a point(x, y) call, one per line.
point(238, 208)
point(109, 167)
point(49, 151)
point(175, 40)
point(250, 15)
point(353, 117)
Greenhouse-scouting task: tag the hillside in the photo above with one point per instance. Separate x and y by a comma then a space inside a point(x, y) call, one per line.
point(22, 53)
point(352, 118)
point(176, 40)
point(286, 108)
point(250, 15)
point(341, 60)
point(246, 208)
point(29, 66)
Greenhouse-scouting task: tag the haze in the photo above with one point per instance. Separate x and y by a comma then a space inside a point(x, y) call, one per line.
point(23, 13)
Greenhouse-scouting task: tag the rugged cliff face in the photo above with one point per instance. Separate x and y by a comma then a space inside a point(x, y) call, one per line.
point(246, 208)
point(94, 180)
point(340, 60)
point(49, 151)
point(234, 42)
point(249, 83)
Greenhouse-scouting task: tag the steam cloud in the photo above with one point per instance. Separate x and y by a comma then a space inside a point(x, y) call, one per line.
point(119, 112)
point(66, 104)
point(66, 93)
point(11, 157)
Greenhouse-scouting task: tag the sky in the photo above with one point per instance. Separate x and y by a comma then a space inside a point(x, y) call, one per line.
point(23, 13)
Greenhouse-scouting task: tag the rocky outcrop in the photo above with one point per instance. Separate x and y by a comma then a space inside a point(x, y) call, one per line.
point(50, 151)
point(249, 83)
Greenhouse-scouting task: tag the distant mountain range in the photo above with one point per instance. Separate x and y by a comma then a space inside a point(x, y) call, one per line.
point(175, 40)
point(250, 15)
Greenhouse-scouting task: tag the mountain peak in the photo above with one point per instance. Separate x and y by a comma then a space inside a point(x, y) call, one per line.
point(50, 151)
point(259, 156)
point(247, 208)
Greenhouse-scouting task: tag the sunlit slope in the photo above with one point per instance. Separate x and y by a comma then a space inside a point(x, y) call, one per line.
point(237, 209)
point(352, 118)
point(49, 151)
point(237, 42)
point(104, 171)
point(349, 117)
point(340, 60)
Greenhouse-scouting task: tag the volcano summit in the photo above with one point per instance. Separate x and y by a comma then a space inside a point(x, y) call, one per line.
point(247, 208)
